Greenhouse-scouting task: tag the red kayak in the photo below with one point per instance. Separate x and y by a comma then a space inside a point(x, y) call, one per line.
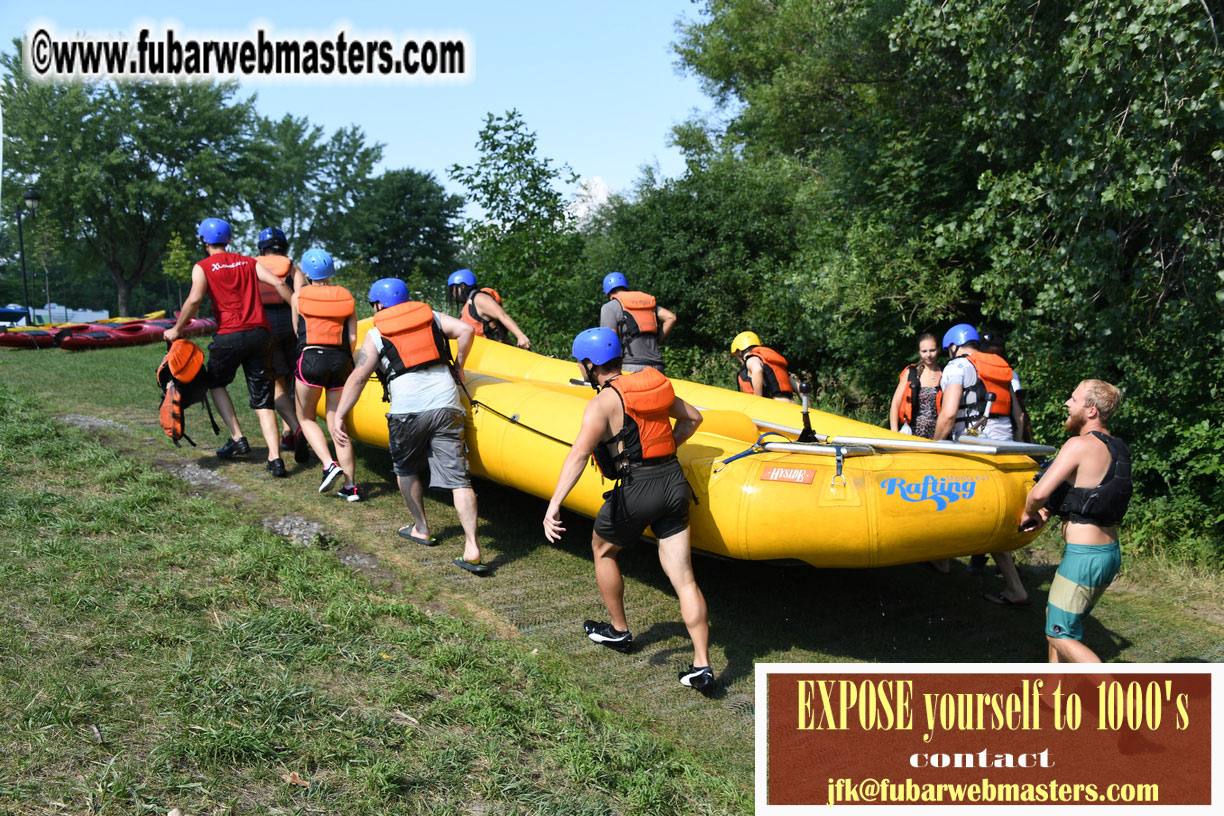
point(30, 338)
point(97, 336)
point(194, 327)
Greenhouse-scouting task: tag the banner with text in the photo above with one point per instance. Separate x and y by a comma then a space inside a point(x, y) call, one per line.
point(906, 735)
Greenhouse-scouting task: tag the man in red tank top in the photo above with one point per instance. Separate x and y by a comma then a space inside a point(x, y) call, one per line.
point(650, 491)
point(243, 339)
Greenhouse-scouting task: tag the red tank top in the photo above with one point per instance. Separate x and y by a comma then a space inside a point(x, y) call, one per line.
point(232, 285)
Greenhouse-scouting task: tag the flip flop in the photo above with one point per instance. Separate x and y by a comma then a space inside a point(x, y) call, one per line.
point(477, 568)
point(1002, 600)
point(406, 532)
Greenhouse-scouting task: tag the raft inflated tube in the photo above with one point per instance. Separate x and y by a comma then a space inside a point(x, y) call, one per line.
point(887, 501)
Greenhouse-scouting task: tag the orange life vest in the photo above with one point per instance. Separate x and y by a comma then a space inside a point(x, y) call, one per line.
point(280, 266)
point(411, 340)
point(324, 312)
point(484, 326)
point(641, 308)
point(645, 438)
point(994, 375)
point(910, 399)
point(180, 376)
point(774, 373)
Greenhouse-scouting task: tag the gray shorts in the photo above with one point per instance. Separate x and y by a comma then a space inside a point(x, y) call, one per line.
point(432, 439)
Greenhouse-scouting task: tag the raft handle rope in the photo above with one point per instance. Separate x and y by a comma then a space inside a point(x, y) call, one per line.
point(513, 420)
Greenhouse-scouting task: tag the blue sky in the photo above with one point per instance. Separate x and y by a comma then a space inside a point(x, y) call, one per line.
point(596, 81)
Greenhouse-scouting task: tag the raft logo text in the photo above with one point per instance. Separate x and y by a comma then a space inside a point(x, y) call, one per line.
point(941, 491)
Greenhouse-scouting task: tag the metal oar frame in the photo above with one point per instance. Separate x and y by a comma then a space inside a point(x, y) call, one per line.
point(841, 447)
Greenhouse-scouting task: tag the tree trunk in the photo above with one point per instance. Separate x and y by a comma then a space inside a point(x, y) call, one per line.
point(123, 289)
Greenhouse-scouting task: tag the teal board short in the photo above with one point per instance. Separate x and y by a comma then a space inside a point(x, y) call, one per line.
point(1086, 570)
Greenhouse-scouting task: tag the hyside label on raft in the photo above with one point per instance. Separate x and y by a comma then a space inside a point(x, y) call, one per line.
point(896, 735)
point(796, 475)
point(941, 491)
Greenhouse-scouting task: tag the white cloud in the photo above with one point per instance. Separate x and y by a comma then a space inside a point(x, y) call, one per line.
point(592, 194)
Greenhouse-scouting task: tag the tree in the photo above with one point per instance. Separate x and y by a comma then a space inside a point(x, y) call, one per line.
point(123, 166)
point(311, 184)
point(404, 220)
point(525, 244)
point(1101, 215)
point(45, 252)
point(716, 247)
point(819, 86)
point(1057, 167)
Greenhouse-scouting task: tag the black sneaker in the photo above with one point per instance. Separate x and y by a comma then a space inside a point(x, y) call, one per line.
point(234, 447)
point(277, 468)
point(977, 564)
point(697, 677)
point(604, 634)
point(330, 474)
point(301, 448)
point(349, 493)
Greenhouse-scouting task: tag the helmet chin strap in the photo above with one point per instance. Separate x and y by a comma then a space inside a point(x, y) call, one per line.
point(588, 374)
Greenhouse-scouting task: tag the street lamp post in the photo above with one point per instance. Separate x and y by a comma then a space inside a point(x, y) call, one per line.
point(30, 200)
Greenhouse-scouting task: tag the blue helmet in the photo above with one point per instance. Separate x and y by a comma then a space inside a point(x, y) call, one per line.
point(273, 238)
point(597, 345)
point(389, 292)
point(959, 335)
point(214, 231)
point(614, 280)
point(317, 264)
point(462, 276)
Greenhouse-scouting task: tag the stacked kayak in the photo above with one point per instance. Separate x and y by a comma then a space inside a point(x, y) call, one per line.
point(859, 497)
point(106, 320)
point(52, 334)
point(96, 336)
point(29, 337)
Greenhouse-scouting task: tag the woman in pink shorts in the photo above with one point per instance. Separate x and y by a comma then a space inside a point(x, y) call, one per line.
point(327, 332)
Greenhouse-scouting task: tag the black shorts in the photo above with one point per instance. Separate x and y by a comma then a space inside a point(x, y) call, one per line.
point(284, 340)
point(324, 368)
point(251, 349)
point(655, 497)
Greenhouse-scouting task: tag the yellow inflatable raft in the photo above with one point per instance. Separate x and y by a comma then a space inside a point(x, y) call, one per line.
point(862, 497)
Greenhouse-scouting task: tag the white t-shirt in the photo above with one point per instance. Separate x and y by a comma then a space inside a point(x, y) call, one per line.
point(959, 371)
point(422, 390)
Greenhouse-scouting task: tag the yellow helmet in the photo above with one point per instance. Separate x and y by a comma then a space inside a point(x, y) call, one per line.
point(744, 340)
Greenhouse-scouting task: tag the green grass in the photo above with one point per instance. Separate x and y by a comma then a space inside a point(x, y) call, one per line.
point(163, 653)
point(213, 656)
